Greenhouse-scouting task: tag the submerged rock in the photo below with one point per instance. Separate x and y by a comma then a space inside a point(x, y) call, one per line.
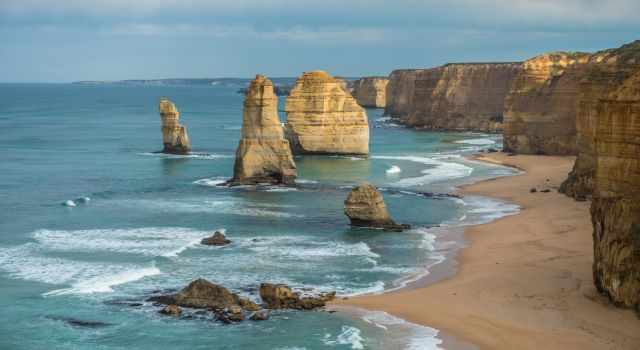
point(261, 315)
point(281, 296)
point(263, 154)
point(218, 238)
point(365, 207)
point(174, 135)
point(232, 314)
point(323, 117)
point(171, 310)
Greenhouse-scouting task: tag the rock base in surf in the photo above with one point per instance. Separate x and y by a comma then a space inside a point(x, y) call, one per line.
point(280, 296)
point(365, 207)
point(217, 239)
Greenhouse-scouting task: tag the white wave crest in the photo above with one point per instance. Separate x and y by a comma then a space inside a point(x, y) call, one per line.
point(394, 170)
point(440, 170)
point(421, 337)
point(211, 182)
point(477, 142)
point(104, 284)
point(193, 155)
point(349, 336)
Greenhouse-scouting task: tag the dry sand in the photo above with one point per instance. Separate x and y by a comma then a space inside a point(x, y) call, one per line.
point(524, 282)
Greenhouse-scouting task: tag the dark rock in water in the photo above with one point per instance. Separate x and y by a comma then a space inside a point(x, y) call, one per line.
point(492, 150)
point(204, 294)
point(218, 238)
point(129, 303)
point(533, 190)
point(172, 310)
point(546, 190)
point(163, 299)
point(261, 315)
point(80, 323)
point(248, 304)
point(232, 314)
point(280, 296)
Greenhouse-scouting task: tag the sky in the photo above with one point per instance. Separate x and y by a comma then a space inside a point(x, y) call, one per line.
point(70, 40)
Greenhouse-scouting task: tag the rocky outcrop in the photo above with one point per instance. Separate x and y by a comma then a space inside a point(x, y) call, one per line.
point(605, 72)
point(218, 238)
point(365, 207)
point(540, 111)
point(280, 296)
point(400, 91)
point(323, 118)
point(263, 154)
point(615, 208)
point(461, 96)
point(371, 91)
point(174, 135)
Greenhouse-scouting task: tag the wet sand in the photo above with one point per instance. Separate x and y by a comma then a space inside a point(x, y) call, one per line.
point(524, 281)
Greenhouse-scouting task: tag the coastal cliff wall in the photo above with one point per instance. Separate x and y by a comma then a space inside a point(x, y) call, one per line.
point(371, 91)
point(540, 111)
point(323, 117)
point(461, 96)
point(400, 91)
point(606, 71)
point(615, 208)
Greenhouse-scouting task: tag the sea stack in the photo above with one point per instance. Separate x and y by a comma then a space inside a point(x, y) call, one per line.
point(365, 208)
point(174, 135)
point(323, 117)
point(371, 91)
point(263, 155)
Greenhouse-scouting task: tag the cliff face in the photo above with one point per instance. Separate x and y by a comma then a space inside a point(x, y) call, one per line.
point(606, 71)
point(540, 111)
point(400, 91)
point(461, 96)
point(615, 208)
point(371, 91)
point(174, 136)
point(323, 118)
point(263, 154)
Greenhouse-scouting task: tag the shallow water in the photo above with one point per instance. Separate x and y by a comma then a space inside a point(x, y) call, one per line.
point(133, 219)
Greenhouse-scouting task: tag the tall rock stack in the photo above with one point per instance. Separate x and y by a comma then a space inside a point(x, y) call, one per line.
point(371, 91)
point(263, 155)
point(174, 135)
point(540, 111)
point(605, 73)
point(323, 118)
point(461, 96)
point(615, 209)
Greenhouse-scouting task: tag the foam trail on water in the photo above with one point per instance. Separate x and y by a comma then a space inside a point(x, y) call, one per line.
point(477, 142)
point(394, 170)
point(349, 336)
point(440, 170)
point(104, 284)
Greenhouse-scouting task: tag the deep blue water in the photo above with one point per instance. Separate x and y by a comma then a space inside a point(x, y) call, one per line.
point(146, 213)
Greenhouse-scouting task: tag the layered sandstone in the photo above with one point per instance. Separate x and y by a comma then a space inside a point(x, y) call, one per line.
point(263, 154)
point(615, 208)
point(174, 136)
point(365, 207)
point(604, 73)
point(461, 96)
point(400, 90)
point(540, 111)
point(371, 91)
point(323, 118)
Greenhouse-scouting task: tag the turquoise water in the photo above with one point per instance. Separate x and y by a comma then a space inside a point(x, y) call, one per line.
point(138, 232)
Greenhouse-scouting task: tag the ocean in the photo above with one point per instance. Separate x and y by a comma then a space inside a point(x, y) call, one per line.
point(92, 222)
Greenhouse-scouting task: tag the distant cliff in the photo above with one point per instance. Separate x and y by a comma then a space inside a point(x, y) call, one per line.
point(457, 96)
point(605, 72)
point(371, 91)
point(540, 111)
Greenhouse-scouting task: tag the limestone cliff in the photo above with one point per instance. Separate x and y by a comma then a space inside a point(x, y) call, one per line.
point(615, 208)
point(323, 118)
point(263, 154)
point(174, 136)
point(461, 96)
point(371, 91)
point(540, 111)
point(604, 73)
point(400, 91)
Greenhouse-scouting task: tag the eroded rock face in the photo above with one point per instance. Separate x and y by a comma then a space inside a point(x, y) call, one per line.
point(280, 296)
point(615, 209)
point(217, 239)
point(263, 154)
point(400, 91)
point(202, 294)
point(371, 91)
point(606, 71)
point(365, 207)
point(540, 111)
point(461, 96)
point(323, 118)
point(174, 135)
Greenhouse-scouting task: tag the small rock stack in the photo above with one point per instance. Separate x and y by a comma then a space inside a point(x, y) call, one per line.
point(365, 207)
point(174, 135)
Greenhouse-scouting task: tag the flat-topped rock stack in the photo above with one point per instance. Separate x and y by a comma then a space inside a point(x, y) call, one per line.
point(174, 136)
point(323, 118)
point(371, 91)
point(365, 207)
point(263, 154)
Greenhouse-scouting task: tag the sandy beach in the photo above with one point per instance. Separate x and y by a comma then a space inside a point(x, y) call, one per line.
point(524, 281)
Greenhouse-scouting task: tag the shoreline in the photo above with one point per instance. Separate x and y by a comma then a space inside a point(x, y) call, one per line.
point(521, 281)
